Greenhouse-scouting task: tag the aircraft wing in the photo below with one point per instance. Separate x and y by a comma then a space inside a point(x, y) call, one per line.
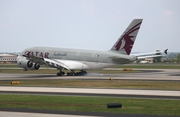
point(67, 64)
point(34, 59)
point(55, 63)
point(49, 62)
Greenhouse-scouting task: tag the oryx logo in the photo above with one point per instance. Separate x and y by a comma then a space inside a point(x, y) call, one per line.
point(126, 42)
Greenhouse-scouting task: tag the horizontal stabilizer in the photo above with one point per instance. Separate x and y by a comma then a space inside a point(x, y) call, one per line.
point(151, 56)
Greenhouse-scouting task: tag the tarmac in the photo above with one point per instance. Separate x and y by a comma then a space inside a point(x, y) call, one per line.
point(148, 74)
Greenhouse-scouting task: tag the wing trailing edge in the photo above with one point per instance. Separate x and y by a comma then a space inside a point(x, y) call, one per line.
point(55, 63)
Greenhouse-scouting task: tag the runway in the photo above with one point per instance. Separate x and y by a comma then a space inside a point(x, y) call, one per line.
point(149, 75)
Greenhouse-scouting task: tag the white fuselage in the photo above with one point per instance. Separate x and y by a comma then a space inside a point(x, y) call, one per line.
point(78, 59)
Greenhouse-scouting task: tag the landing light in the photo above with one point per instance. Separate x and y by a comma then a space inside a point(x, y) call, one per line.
point(15, 82)
point(110, 79)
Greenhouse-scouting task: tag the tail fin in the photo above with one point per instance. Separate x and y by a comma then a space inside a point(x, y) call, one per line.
point(126, 41)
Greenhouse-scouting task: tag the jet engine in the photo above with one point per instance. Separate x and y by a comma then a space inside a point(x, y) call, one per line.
point(27, 64)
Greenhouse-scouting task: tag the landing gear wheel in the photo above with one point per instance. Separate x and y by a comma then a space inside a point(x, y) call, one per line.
point(68, 74)
point(83, 72)
point(61, 73)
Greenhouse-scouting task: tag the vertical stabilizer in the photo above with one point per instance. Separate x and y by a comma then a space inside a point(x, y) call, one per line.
point(126, 41)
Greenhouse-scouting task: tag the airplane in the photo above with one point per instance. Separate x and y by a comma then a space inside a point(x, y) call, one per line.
point(82, 59)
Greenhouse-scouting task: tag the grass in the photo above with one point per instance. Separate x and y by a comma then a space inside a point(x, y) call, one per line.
point(91, 104)
point(123, 84)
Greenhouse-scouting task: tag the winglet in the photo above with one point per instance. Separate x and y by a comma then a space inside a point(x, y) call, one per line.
point(126, 41)
point(165, 51)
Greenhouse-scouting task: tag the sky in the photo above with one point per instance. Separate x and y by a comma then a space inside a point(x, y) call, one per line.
point(88, 24)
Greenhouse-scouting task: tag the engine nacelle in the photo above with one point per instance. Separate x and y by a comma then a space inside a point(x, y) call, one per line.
point(27, 64)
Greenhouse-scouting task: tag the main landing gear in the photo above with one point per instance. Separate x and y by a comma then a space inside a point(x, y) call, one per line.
point(60, 73)
point(81, 73)
point(72, 73)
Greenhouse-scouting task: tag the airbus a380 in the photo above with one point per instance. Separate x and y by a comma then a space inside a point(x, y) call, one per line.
point(80, 59)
